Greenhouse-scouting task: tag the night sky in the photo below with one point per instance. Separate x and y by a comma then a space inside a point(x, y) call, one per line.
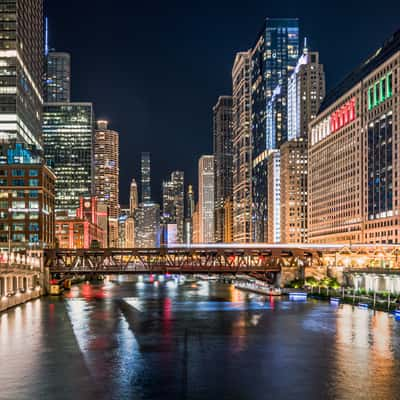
point(156, 68)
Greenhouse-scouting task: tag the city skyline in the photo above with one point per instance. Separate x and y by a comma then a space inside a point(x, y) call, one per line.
point(156, 134)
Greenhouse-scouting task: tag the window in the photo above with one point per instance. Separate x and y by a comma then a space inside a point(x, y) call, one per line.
point(18, 172)
point(3, 203)
point(33, 172)
point(33, 182)
point(34, 227)
point(18, 182)
point(19, 227)
point(34, 238)
point(33, 204)
point(33, 215)
point(3, 215)
point(3, 172)
point(18, 237)
point(18, 204)
point(18, 215)
point(18, 193)
point(3, 182)
point(34, 194)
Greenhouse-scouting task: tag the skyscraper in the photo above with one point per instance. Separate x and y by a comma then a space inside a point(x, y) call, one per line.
point(133, 197)
point(21, 58)
point(274, 58)
point(106, 175)
point(173, 203)
point(57, 87)
point(222, 127)
point(147, 215)
point(68, 131)
point(206, 199)
point(190, 208)
point(145, 176)
point(241, 119)
point(306, 90)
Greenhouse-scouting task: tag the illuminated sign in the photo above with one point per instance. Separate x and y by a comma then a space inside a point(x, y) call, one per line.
point(343, 116)
point(380, 91)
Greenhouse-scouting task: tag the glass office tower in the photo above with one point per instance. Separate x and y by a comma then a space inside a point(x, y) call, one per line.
point(21, 69)
point(274, 58)
point(68, 130)
point(57, 88)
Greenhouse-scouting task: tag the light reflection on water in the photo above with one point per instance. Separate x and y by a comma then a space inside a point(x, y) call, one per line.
point(204, 340)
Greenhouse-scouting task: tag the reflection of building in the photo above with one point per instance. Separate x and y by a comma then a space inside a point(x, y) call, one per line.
point(206, 199)
point(57, 87)
point(106, 175)
point(241, 120)
point(274, 58)
point(26, 199)
point(306, 90)
point(228, 221)
point(173, 203)
point(68, 144)
point(353, 163)
point(147, 225)
point(83, 230)
point(222, 127)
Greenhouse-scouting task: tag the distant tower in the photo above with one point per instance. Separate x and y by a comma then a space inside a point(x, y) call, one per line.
point(206, 199)
point(145, 175)
point(190, 209)
point(133, 197)
point(57, 86)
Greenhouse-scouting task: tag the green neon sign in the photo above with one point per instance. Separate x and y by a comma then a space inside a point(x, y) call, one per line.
point(380, 91)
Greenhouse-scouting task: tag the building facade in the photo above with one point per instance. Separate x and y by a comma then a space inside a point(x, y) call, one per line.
point(222, 133)
point(26, 199)
point(190, 208)
point(353, 181)
point(306, 90)
point(68, 135)
point(21, 72)
point(274, 197)
point(174, 203)
point(206, 199)
point(57, 87)
point(106, 175)
point(147, 225)
point(133, 197)
point(145, 177)
point(241, 144)
point(274, 57)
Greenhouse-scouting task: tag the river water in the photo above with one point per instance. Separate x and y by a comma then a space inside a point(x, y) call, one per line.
point(204, 340)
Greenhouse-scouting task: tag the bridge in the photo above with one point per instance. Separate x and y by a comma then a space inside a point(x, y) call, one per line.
point(216, 259)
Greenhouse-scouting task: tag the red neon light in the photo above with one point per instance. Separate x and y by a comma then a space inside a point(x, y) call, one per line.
point(343, 116)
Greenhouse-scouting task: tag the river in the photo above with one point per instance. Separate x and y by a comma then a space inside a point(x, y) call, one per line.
point(194, 340)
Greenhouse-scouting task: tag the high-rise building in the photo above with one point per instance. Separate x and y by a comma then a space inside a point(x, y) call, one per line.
point(241, 124)
point(222, 129)
point(274, 197)
point(190, 208)
point(173, 203)
point(206, 199)
point(353, 175)
point(21, 73)
point(196, 225)
point(57, 87)
point(68, 144)
point(306, 90)
point(133, 197)
point(126, 229)
point(146, 177)
point(147, 225)
point(106, 175)
point(274, 58)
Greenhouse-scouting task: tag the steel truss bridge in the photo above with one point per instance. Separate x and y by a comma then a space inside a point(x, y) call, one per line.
point(207, 259)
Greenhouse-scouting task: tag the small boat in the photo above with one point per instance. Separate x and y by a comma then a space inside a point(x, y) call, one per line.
point(363, 305)
point(297, 296)
point(335, 301)
point(397, 315)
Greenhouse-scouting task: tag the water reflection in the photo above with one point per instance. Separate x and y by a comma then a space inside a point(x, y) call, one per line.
point(194, 340)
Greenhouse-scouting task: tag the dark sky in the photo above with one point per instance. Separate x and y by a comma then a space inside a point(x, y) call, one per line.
point(155, 68)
